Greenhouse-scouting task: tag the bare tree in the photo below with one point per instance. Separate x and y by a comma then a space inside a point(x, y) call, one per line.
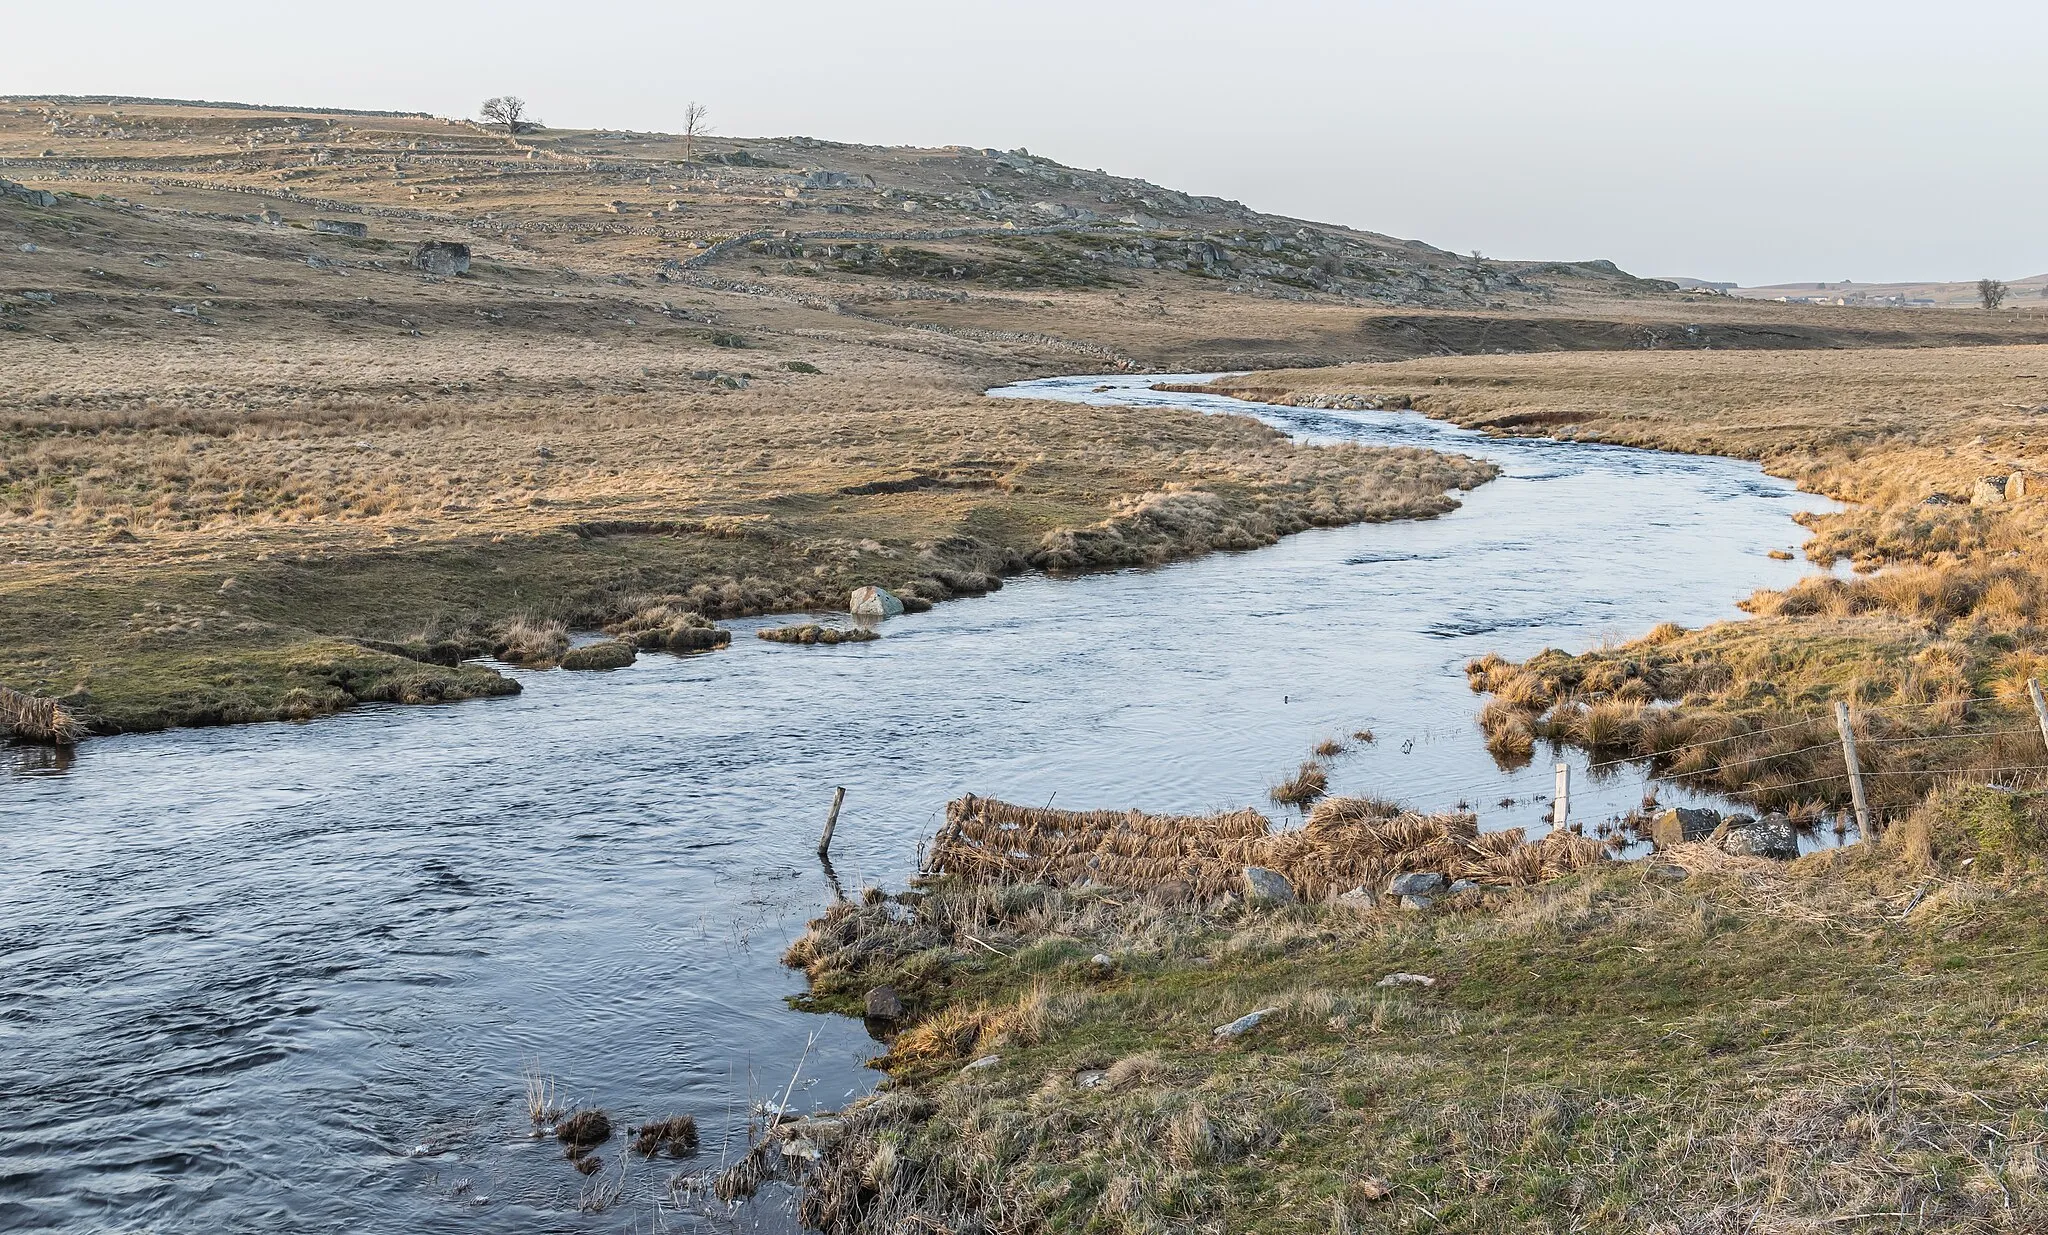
point(1991, 292)
point(694, 126)
point(507, 111)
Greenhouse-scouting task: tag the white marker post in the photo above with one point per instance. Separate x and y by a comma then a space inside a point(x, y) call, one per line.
point(1863, 831)
point(1561, 804)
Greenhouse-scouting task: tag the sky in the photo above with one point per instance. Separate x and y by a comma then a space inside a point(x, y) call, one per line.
point(1736, 140)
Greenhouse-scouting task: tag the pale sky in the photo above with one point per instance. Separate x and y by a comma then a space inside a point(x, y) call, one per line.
point(1736, 139)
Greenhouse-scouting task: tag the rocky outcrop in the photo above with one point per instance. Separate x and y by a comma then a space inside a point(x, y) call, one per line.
point(343, 227)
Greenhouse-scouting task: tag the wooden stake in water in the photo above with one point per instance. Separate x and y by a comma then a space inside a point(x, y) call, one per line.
point(1561, 804)
point(831, 821)
point(2040, 706)
point(1863, 831)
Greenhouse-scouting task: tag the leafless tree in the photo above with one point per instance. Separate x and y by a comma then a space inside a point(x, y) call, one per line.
point(694, 126)
point(1991, 292)
point(507, 111)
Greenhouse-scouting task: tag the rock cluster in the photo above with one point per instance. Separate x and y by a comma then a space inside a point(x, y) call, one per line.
point(1742, 835)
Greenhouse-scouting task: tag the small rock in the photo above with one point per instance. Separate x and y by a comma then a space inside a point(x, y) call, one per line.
point(884, 1005)
point(1407, 979)
point(1243, 1024)
point(1418, 903)
point(46, 298)
point(1666, 872)
point(1416, 883)
point(342, 227)
point(800, 1148)
point(983, 1063)
point(1101, 961)
point(1360, 897)
point(1461, 885)
point(1090, 1078)
point(1264, 887)
point(1372, 1190)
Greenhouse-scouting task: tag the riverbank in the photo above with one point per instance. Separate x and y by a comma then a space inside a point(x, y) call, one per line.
point(1933, 653)
point(1696, 1043)
point(233, 570)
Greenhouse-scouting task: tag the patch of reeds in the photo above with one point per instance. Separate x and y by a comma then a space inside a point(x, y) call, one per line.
point(541, 1105)
point(531, 641)
point(811, 633)
point(32, 718)
point(1330, 748)
point(1346, 843)
point(1308, 783)
point(675, 1136)
point(585, 1128)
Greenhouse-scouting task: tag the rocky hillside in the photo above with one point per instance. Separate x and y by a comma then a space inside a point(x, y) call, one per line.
point(815, 215)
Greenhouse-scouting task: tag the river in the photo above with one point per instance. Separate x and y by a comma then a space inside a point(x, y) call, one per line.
point(292, 976)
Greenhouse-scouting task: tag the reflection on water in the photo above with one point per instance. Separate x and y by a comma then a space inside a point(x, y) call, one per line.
point(291, 975)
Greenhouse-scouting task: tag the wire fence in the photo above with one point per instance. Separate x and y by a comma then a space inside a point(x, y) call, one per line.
point(1850, 781)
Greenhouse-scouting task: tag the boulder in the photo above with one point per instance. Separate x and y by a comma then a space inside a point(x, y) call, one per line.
point(2015, 486)
point(445, 257)
point(884, 1004)
point(1769, 837)
point(874, 602)
point(1416, 883)
point(1990, 491)
point(1683, 823)
point(342, 227)
point(1264, 887)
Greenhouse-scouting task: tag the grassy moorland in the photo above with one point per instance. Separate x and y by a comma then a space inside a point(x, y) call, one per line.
point(250, 468)
point(1932, 642)
point(1851, 1042)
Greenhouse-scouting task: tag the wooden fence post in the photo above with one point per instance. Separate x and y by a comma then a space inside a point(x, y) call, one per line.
point(831, 821)
point(1863, 832)
point(2040, 707)
point(1561, 804)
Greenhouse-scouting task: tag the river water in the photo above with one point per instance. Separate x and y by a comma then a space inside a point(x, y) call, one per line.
point(292, 976)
